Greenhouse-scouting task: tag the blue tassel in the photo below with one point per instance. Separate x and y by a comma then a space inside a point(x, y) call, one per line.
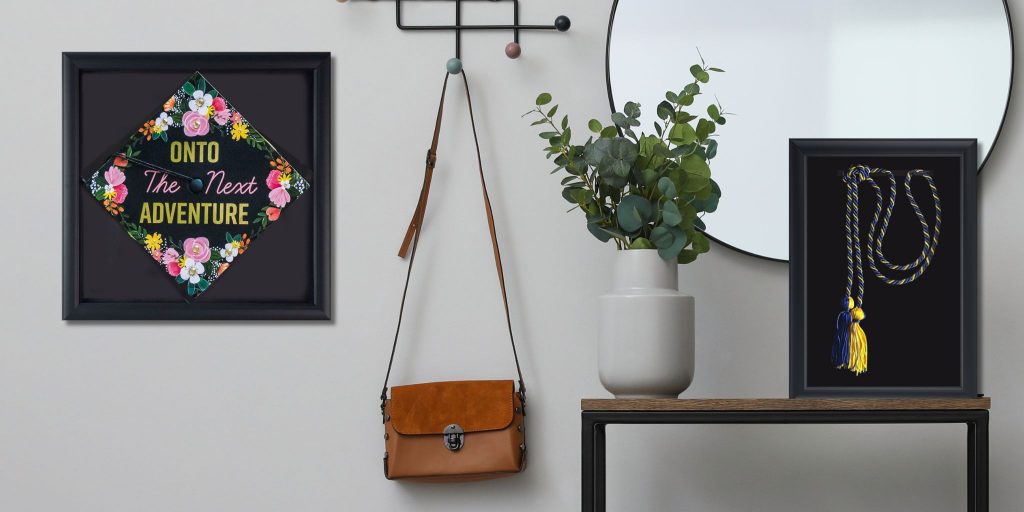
point(841, 340)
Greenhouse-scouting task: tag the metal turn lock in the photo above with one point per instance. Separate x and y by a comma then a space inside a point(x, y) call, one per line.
point(454, 437)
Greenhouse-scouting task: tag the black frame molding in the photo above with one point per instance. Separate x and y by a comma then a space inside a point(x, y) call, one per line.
point(318, 64)
point(995, 141)
point(799, 151)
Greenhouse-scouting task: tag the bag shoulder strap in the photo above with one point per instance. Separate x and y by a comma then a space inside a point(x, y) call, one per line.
point(412, 235)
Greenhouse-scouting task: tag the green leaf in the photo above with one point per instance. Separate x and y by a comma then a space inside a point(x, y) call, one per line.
point(671, 96)
point(667, 188)
point(684, 117)
point(179, 279)
point(188, 88)
point(601, 234)
point(670, 215)
point(687, 256)
point(551, 113)
point(632, 109)
point(634, 211)
point(703, 77)
point(695, 165)
point(699, 224)
point(713, 111)
point(191, 289)
point(682, 134)
point(696, 70)
point(201, 85)
point(691, 90)
point(595, 126)
point(711, 203)
point(712, 149)
point(716, 70)
point(203, 285)
point(213, 92)
point(700, 242)
point(721, 121)
point(665, 110)
point(620, 120)
point(538, 122)
point(704, 129)
point(641, 243)
point(686, 99)
point(543, 99)
point(609, 132)
point(648, 177)
point(669, 240)
point(715, 189)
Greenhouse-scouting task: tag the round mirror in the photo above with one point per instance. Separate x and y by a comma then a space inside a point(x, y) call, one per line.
point(813, 69)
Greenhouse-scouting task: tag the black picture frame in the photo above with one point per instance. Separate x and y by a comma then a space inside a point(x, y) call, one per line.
point(805, 155)
point(313, 71)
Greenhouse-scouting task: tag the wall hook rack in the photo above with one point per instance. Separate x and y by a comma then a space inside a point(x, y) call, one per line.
point(513, 50)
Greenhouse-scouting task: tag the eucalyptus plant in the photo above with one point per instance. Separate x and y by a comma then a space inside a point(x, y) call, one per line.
point(646, 191)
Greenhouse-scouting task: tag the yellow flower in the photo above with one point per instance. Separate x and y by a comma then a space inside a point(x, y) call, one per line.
point(239, 131)
point(154, 241)
point(236, 244)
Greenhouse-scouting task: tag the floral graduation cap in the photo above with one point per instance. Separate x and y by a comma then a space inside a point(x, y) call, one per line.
point(195, 185)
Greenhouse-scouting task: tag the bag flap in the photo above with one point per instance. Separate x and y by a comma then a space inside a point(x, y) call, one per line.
point(476, 406)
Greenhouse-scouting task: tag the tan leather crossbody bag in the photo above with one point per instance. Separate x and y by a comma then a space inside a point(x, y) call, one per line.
point(453, 431)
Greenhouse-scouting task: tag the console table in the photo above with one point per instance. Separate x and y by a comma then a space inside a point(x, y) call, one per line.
point(597, 413)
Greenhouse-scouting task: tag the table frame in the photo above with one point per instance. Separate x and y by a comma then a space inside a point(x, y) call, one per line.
point(594, 423)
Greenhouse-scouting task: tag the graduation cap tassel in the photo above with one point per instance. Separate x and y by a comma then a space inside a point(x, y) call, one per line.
point(850, 343)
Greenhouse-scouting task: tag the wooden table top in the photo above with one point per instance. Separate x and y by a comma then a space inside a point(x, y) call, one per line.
point(786, 404)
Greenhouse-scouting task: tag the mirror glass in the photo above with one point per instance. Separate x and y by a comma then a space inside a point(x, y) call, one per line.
point(812, 69)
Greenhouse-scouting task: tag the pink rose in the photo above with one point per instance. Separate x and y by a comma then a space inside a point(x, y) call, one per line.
point(280, 197)
point(171, 256)
point(221, 117)
point(173, 269)
point(157, 255)
point(114, 176)
point(197, 249)
point(195, 124)
point(236, 117)
point(273, 213)
point(274, 179)
point(120, 193)
point(219, 105)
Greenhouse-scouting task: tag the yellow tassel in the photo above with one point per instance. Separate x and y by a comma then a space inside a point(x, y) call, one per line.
point(858, 362)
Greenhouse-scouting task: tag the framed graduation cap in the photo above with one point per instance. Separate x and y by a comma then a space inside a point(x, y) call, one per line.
point(196, 186)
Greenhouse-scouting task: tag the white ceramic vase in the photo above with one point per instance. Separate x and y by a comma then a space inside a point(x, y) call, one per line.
point(646, 329)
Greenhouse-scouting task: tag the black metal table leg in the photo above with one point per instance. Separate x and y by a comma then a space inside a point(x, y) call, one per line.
point(977, 464)
point(599, 467)
point(593, 463)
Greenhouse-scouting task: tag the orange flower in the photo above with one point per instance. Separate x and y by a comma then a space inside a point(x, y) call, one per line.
point(147, 129)
point(222, 268)
point(120, 161)
point(169, 104)
point(112, 207)
point(281, 165)
point(244, 244)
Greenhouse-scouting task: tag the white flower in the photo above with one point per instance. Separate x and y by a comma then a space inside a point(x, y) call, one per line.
point(193, 271)
point(162, 123)
point(229, 252)
point(201, 102)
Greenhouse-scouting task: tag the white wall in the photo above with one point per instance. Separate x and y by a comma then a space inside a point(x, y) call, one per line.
point(274, 417)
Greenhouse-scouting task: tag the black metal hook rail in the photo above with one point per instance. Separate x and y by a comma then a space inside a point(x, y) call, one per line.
point(561, 24)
